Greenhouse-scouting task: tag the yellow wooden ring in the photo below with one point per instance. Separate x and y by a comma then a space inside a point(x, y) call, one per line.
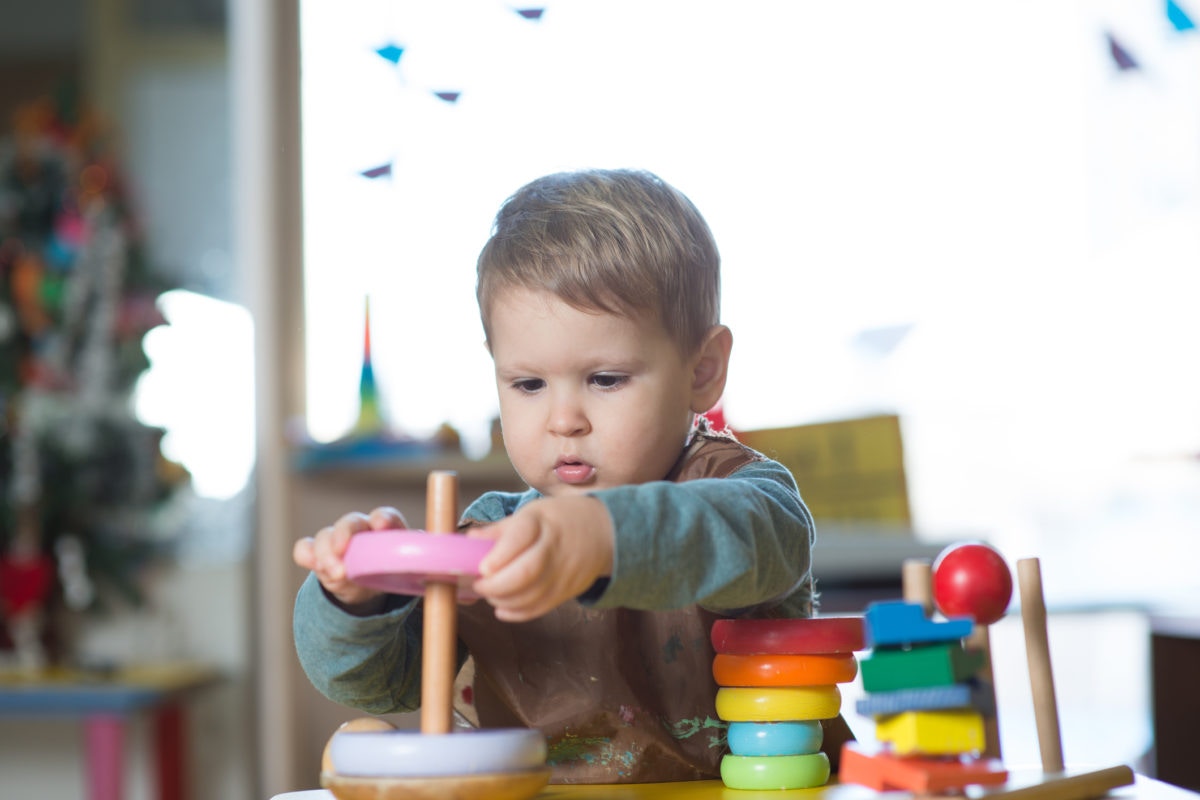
point(778, 704)
point(784, 670)
point(775, 772)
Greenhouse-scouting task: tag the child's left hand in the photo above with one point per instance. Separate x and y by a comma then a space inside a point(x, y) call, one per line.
point(550, 551)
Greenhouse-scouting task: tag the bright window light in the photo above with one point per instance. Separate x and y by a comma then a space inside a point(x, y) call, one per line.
point(200, 389)
point(963, 213)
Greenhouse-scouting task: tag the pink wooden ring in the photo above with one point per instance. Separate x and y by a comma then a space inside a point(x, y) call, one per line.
point(814, 636)
point(403, 561)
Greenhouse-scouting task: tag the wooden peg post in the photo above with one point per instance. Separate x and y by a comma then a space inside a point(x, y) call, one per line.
point(1037, 651)
point(916, 580)
point(439, 654)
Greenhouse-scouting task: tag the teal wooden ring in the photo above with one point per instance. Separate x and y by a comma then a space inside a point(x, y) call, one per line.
point(775, 772)
point(775, 738)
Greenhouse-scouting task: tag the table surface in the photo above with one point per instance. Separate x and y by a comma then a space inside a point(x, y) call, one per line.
point(119, 691)
point(1143, 788)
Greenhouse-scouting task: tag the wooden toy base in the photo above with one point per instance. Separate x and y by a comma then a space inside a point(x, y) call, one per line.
point(1030, 784)
point(1038, 785)
point(501, 786)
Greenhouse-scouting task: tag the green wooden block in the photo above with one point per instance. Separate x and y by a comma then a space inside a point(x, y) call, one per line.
point(889, 669)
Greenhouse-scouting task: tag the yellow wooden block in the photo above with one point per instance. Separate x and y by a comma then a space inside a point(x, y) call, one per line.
point(932, 733)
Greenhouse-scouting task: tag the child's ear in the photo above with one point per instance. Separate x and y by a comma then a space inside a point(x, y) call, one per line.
point(710, 367)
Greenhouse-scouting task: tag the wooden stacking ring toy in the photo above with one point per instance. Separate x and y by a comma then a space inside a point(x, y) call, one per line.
point(410, 754)
point(806, 636)
point(775, 738)
point(770, 669)
point(775, 772)
point(435, 764)
point(406, 561)
point(778, 703)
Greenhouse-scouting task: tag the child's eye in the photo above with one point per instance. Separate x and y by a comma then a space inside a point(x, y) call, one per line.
point(529, 385)
point(603, 380)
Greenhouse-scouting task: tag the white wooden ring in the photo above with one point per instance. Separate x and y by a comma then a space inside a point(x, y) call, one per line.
point(410, 754)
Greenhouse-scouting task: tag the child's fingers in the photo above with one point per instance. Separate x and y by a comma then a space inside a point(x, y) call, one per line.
point(386, 518)
point(518, 583)
point(511, 540)
point(330, 551)
point(352, 523)
point(304, 553)
point(522, 606)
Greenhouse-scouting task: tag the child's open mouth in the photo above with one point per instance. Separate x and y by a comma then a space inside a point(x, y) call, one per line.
point(573, 471)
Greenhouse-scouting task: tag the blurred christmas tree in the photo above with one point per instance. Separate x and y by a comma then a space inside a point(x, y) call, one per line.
point(81, 480)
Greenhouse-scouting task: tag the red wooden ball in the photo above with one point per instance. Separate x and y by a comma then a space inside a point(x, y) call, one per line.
point(972, 580)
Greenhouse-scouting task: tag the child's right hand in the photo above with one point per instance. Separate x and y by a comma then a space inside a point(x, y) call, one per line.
point(324, 554)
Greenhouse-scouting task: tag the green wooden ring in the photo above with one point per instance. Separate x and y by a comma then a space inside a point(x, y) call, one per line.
point(775, 772)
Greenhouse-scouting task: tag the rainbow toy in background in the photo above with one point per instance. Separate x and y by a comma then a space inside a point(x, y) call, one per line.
point(370, 413)
point(371, 439)
point(778, 679)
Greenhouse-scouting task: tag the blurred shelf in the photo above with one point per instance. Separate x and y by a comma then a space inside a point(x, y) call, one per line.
point(491, 472)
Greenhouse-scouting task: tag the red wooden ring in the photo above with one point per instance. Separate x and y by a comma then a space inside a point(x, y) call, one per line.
point(774, 669)
point(817, 635)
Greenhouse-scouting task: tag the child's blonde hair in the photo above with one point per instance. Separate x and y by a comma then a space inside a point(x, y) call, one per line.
point(618, 241)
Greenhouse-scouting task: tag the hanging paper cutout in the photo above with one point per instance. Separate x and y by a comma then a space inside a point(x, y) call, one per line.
point(449, 97)
point(391, 52)
point(382, 171)
point(1120, 55)
point(1178, 17)
point(531, 13)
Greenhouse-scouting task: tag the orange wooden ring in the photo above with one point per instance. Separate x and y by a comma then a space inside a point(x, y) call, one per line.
point(796, 636)
point(784, 669)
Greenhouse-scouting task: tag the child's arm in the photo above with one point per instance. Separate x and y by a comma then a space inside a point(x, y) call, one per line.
point(371, 663)
point(725, 543)
point(728, 544)
point(359, 647)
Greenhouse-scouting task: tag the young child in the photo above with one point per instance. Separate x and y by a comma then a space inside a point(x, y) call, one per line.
point(599, 294)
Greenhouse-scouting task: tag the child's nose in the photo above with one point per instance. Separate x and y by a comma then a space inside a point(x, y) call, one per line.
point(567, 416)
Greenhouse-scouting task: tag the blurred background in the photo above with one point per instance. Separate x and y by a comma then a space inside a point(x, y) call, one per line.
point(959, 241)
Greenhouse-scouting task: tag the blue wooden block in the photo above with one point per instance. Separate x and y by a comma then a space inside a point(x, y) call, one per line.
point(958, 695)
point(896, 623)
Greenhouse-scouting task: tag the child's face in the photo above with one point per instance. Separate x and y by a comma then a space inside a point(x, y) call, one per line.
point(587, 400)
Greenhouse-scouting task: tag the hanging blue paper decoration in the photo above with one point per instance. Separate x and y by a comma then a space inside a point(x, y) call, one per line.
point(449, 97)
point(531, 13)
point(391, 52)
point(1120, 55)
point(1178, 17)
point(382, 171)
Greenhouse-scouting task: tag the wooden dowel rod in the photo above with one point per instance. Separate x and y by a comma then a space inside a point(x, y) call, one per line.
point(981, 640)
point(916, 580)
point(1041, 676)
point(439, 648)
